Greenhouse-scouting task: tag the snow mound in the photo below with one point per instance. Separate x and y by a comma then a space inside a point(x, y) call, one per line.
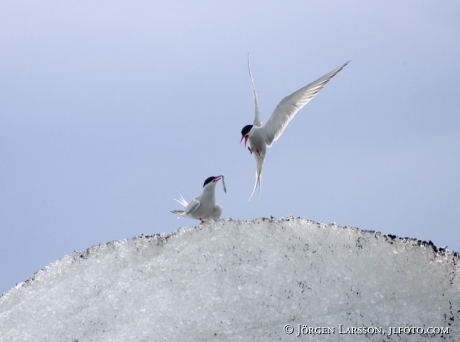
point(242, 281)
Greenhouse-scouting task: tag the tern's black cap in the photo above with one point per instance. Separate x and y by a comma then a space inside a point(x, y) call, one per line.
point(246, 129)
point(208, 180)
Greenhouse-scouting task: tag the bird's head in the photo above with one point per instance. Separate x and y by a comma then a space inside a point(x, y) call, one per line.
point(212, 180)
point(210, 183)
point(245, 134)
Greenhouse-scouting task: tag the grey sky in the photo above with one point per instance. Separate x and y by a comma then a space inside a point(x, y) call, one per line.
point(107, 110)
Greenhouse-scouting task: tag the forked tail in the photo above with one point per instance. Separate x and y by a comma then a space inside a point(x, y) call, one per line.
point(258, 184)
point(182, 201)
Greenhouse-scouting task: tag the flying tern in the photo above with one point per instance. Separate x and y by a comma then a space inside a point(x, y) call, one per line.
point(262, 136)
point(203, 207)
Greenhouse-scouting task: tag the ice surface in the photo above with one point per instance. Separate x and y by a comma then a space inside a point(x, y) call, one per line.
point(239, 281)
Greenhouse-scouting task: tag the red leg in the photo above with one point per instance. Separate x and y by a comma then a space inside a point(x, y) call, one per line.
point(250, 149)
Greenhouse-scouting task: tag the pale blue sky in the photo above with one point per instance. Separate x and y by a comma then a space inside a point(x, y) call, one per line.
point(108, 109)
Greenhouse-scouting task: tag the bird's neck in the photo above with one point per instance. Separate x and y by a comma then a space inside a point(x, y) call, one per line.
point(210, 191)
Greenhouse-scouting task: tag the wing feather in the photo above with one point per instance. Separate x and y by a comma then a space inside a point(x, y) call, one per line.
point(257, 119)
point(192, 206)
point(291, 104)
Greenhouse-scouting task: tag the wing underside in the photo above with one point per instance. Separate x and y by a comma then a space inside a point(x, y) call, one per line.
point(257, 119)
point(291, 104)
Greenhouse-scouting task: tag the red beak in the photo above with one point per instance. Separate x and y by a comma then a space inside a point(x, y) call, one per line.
point(245, 137)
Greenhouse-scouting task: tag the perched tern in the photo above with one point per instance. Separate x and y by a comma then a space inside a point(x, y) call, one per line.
point(203, 207)
point(260, 137)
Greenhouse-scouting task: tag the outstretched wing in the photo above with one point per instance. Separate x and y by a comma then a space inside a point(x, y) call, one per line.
point(257, 119)
point(290, 105)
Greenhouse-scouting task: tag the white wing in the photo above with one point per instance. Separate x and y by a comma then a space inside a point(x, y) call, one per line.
point(290, 105)
point(192, 206)
point(189, 207)
point(216, 212)
point(257, 119)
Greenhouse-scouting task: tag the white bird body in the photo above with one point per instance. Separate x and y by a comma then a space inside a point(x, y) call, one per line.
point(262, 136)
point(202, 207)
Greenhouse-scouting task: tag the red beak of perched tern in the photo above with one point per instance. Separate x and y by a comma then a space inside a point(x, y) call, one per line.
point(218, 178)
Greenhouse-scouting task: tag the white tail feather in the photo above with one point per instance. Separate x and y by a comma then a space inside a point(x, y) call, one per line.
point(260, 164)
point(182, 201)
point(258, 184)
